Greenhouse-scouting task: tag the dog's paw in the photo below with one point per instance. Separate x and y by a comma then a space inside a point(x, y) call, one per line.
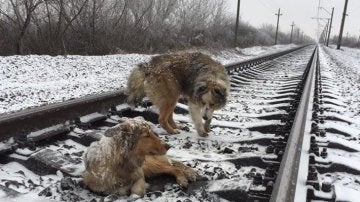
point(182, 181)
point(140, 191)
point(183, 127)
point(139, 187)
point(207, 129)
point(203, 134)
point(174, 131)
point(190, 174)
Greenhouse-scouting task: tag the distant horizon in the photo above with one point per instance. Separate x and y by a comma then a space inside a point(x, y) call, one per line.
point(258, 12)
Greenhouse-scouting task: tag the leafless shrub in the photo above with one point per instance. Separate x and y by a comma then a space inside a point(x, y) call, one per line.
point(97, 27)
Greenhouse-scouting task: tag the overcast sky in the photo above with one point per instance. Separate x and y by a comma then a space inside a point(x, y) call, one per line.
point(257, 12)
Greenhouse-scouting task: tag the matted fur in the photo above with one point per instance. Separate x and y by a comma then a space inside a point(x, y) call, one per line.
point(203, 81)
point(114, 164)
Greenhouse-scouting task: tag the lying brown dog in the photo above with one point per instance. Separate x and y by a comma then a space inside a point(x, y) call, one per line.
point(119, 162)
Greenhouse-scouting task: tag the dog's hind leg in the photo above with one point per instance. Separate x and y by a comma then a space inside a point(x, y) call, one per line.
point(165, 116)
point(172, 122)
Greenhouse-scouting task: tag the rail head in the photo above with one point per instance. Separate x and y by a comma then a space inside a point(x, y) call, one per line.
point(285, 185)
point(261, 59)
point(28, 120)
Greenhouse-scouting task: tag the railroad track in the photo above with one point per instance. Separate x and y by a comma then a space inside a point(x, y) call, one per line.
point(270, 142)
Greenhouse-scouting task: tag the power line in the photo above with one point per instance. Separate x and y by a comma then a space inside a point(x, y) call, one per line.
point(265, 5)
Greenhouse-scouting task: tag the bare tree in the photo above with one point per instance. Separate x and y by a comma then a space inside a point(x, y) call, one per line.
point(22, 11)
point(111, 26)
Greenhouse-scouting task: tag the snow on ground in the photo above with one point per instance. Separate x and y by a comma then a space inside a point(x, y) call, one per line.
point(340, 70)
point(215, 158)
point(33, 80)
point(344, 67)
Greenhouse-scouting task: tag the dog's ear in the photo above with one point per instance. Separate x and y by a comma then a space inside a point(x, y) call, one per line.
point(145, 131)
point(135, 128)
point(112, 131)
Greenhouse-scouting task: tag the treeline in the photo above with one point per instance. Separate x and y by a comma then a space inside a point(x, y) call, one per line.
point(348, 41)
point(95, 27)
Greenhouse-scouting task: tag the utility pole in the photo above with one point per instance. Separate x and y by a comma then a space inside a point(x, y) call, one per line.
point(302, 37)
point(298, 36)
point(237, 23)
point(331, 19)
point(292, 28)
point(326, 31)
point(318, 21)
point(342, 25)
point(277, 26)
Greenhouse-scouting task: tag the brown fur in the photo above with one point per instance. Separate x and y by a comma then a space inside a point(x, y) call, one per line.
point(114, 164)
point(120, 161)
point(195, 76)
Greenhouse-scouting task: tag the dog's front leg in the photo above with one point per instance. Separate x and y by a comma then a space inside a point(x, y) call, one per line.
point(208, 117)
point(139, 187)
point(196, 115)
point(207, 125)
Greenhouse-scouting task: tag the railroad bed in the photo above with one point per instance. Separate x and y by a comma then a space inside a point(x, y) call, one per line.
point(255, 150)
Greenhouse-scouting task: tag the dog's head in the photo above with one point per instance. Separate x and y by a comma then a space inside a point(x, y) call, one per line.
point(136, 135)
point(211, 95)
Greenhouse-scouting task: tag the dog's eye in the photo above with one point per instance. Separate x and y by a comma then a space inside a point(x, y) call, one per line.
point(218, 92)
point(201, 89)
point(211, 105)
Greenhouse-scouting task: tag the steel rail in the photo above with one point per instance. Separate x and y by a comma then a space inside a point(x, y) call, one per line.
point(22, 122)
point(285, 185)
point(260, 59)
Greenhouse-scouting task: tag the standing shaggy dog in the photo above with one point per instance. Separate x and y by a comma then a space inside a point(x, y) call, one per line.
point(203, 81)
point(114, 165)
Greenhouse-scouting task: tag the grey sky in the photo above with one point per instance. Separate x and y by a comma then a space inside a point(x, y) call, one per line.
point(257, 12)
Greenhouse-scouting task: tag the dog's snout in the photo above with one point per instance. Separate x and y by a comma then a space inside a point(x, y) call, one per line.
point(205, 118)
point(167, 147)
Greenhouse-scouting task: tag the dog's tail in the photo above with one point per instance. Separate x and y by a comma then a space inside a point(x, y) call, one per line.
point(135, 86)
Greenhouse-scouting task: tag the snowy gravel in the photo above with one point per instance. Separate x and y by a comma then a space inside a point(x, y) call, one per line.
point(220, 160)
point(28, 81)
point(340, 70)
